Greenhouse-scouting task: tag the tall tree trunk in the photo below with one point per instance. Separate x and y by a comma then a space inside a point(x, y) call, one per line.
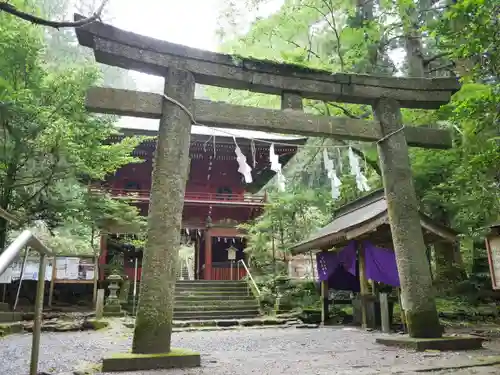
point(6, 198)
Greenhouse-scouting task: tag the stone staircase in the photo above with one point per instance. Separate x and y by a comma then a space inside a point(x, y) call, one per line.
point(212, 300)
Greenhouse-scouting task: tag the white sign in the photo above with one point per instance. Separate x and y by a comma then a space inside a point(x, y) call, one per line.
point(72, 266)
point(494, 260)
point(30, 270)
point(231, 253)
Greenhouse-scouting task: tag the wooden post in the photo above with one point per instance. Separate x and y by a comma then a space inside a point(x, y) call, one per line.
point(324, 302)
point(153, 327)
point(99, 304)
point(104, 252)
point(364, 288)
point(417, 293)
point(96, 279)
point(52, 281)
point(384, 313)
point(38, 318)
point(401, 311)
point(207, 274)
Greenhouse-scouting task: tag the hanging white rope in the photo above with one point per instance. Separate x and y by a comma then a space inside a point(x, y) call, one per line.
point(361, 180)
point(276, 167)
point(332, 175)
point(243, 166)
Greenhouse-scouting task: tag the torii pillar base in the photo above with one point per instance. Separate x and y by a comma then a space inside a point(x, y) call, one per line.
point(176, 358)
point(445, 343)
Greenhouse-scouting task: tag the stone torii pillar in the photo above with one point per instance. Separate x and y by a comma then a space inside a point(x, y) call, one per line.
point(153, 326)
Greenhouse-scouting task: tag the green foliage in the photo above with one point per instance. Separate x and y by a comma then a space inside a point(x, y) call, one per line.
point(288, 218)
point(50, 143)
point(470, 31)
point(457, 187)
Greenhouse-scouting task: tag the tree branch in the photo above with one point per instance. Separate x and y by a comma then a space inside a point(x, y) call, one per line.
point(438, 56)
point(11, 9)
point(348, 113)
point(359, 153)
point(443, 67)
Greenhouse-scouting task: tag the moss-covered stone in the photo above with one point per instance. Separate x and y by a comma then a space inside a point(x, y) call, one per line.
point(96, 324)
point(153, 328)
point(113, 308)
point(176, 358)
point(9, 329)
point(441, 343)
point(423, 324)
point(403, 210)
point(118, 314)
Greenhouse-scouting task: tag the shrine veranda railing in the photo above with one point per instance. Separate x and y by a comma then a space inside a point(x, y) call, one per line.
point(177, 110)
point(189, 196)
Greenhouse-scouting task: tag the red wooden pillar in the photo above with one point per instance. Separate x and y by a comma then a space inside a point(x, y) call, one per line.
point(197, 258)
point(102, 256)
point(208, 255)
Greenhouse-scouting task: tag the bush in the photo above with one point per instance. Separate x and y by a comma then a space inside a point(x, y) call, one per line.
point(295, 294)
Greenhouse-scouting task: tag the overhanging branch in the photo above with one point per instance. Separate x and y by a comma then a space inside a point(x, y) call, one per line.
point(11, 9)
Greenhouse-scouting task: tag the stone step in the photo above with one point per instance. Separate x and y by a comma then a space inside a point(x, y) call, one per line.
point(209, 315)
point(204, 298)
point(189, 285)
point(9, 316)
point(212, 282)
point(243, 307)
point(205, 289)
point(211, 293)
point(211, 300)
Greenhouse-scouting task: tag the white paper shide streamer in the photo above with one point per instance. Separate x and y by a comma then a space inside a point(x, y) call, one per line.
point(243, 166)
point(332, 175)
point(361, 180)
point(276, 167)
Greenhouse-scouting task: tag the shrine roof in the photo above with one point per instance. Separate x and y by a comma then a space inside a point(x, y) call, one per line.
point(361, 218)
point(224, 138)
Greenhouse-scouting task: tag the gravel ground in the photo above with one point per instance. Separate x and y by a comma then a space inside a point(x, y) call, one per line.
point(259, 351)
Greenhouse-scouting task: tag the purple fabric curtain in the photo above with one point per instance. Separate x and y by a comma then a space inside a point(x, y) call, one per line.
point(380, 265)
point(327, 262)
point(341, 279)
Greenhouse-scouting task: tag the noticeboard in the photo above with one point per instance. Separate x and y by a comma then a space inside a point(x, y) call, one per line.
point(73, 268)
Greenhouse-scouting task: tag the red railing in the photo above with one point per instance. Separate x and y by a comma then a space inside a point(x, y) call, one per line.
point(223, 271)
point(189, 195)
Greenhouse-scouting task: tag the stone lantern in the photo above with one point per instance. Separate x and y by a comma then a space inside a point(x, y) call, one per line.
point(113, 306)
point(493, 249)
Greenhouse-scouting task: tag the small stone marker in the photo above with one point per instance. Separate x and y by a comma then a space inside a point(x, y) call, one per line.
point(384, 313)
point(99, 304)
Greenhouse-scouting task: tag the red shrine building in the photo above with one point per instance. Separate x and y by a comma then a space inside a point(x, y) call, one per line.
point(217, 198)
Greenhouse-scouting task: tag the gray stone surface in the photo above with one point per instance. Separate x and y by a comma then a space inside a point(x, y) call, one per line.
point(320, 351)
point(443, 343)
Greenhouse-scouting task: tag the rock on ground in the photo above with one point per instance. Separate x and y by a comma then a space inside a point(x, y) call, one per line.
point(265, 352)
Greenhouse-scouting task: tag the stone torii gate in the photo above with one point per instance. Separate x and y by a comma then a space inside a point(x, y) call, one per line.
point(181, 67)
